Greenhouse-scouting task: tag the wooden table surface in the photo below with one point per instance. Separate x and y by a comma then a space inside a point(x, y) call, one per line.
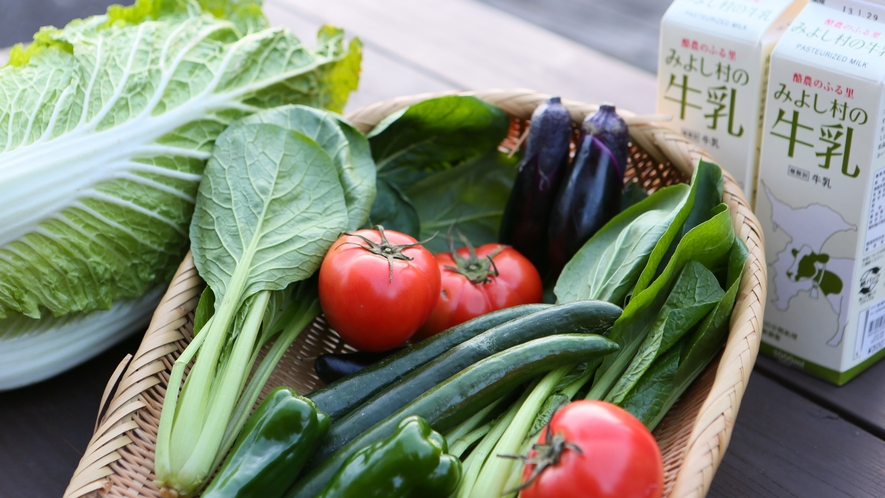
point(795, 436)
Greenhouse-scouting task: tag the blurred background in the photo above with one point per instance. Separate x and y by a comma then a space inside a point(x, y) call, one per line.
point(20, 19)
point(624, 29)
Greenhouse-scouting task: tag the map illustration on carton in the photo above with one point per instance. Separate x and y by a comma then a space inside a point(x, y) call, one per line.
point(821, 193)
point(712, 72)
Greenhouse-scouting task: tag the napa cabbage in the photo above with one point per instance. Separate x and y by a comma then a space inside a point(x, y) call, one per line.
point(105, 128)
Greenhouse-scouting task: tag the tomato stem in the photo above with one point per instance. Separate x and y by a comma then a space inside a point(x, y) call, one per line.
point(547, 454)
point(478, 271)
point(385, 249)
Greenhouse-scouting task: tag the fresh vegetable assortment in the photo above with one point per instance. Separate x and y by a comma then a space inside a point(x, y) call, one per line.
point(642, 306)
point(268, 209)
point(670, 259)
point(588, 317)
point(292, 212)
point(466, 393)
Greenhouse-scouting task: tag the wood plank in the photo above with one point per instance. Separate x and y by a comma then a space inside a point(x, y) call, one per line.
point(784, 445)
point(628, 30)
point(860, 400)
point(384, 75)
point(472, 46)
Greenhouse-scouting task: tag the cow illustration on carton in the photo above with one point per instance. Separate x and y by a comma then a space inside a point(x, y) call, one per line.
point(803, 266)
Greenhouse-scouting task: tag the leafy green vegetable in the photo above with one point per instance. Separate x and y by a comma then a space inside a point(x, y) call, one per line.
point(205, 309)
point(705, 195)
point(394, 210)
point(633, 194)
point(471, 195)
point(550, 406)
point(434, 135)
point(246, 15)
point(710, 335)
point(647, 398)
point(267, 211)
point(608, 264)
point(696, 292)
point(105, 127)
point(270, 205)
point(708, 244)
point(697, 350)
point(420, 141)
point(348, 147)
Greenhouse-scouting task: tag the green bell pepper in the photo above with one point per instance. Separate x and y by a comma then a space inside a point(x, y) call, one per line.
point(272, 448)
point(412, 462)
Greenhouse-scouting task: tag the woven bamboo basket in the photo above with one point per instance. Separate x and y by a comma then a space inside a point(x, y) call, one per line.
point(693, 437)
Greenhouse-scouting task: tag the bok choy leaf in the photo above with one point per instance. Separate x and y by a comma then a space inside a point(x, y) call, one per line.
point(279, 188)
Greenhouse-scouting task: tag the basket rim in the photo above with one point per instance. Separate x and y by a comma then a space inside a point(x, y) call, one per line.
point(712, 427)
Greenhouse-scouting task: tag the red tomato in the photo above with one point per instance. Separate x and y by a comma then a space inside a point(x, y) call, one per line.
point(473, 284)
point(618, 455)
point(377, 287)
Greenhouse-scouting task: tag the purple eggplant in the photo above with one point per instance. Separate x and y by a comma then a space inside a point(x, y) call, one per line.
point(612, 131)
point(588, 198)
point(524, 225)
point(330, 367)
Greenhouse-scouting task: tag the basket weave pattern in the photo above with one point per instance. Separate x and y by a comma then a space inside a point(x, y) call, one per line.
point(693, 437)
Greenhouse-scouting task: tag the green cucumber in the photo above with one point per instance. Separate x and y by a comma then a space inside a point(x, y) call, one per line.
point(589, 317)
point(467, 392)
point(340, 397)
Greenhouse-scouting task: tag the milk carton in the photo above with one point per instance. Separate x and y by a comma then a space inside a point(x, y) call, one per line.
point(821, 193)
point(712, 72)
